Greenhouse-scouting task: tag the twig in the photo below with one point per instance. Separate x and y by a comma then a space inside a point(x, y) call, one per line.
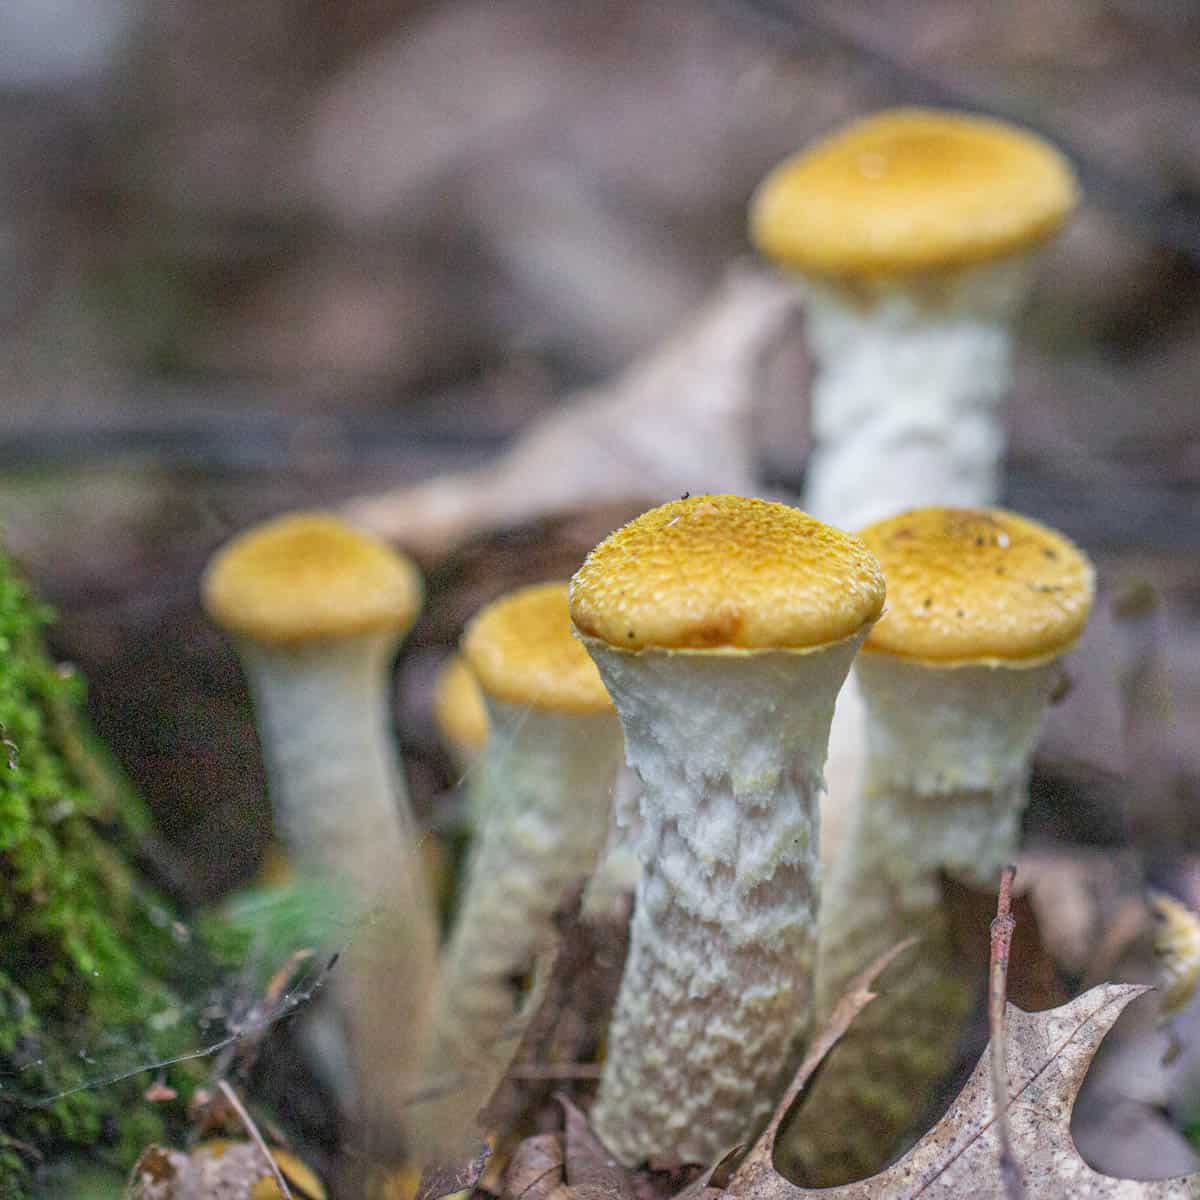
point(551, 1071)
point(1002, 933)
point(256, 1138)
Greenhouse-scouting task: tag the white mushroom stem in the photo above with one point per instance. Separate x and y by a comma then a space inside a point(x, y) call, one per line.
point(340, 804)
point(729, 748)
point(542, 794)
point(617, 873)
point(912, 376)
point(948, 765)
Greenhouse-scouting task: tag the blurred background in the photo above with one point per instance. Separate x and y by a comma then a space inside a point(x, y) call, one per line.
point(296, 251)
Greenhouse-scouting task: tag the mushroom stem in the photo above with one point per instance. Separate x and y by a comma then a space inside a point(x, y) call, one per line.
point(955, 679)
point(540, 798)
point(939, 348)
point(948, 759)
point(542, 790)
point(615, 879)
point(729, 748)
point(339, 800)
point(322, 710)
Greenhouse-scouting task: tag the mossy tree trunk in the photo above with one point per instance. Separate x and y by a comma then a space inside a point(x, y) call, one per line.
point(86, 946)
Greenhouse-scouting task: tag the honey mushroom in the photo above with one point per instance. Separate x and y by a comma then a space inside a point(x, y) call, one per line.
point(540, 796)
point(317, 611)
point(914, 235)
point(955, 677)
point(722, 628)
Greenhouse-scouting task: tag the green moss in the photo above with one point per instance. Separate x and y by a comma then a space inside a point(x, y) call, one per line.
point(85, 946)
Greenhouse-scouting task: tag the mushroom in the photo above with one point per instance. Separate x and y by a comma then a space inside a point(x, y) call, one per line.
point(317, 610)
point(956, 678)
point(723, 628)
point(913, 233)
point(459, 712)
point(541, 794)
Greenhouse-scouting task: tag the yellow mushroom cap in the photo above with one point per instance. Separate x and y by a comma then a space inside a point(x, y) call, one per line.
point(978, 586)
point(308, 575)
point(523, 651)
point(726, 573)
point(912, 189)
point(458, 709)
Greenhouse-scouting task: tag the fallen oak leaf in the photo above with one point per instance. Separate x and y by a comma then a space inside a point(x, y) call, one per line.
point(219, 1170)
point(592, 1173)
point(1048, 1056)
point(438, 1180)
point(537, 1170)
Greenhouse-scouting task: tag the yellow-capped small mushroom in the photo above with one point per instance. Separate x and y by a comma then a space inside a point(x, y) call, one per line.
point(955, 677)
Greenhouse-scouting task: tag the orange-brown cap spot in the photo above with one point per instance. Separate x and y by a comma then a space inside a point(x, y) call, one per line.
point(981, 586)
point(458, 709)
point(308, 575)
point(523, 651)
point(912, 189)
point(724, 572)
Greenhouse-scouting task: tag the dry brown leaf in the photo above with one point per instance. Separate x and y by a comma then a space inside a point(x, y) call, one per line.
point(536, 1171)
point(438, 1180)
point(1048, 1056)
point(592, 1173)
point(218, 1170)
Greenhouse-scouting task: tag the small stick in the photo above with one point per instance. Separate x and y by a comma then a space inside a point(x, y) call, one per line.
point(1001, 943)
point(256, 1138)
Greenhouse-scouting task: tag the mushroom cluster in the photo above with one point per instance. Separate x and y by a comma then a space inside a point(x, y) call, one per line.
point(955, 678)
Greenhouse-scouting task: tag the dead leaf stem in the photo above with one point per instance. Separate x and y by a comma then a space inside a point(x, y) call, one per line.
point(1001, 946)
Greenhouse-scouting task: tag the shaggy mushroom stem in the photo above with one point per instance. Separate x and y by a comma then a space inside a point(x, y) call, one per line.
point(955, 679)
point(914, 236)
point(540, 797)
point(317, 611)
point(723, 628)
point(940, 350)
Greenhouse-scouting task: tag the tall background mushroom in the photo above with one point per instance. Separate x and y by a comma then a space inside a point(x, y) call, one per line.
point(955, 678)
point(913, 233)
point(317, 610)
point(723, 628)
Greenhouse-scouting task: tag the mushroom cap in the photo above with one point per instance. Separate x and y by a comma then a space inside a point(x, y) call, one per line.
point(307, 575)
point(522, 650)
point(978, 586)
point(912, 189)
point(458, 709)
point(726, 573)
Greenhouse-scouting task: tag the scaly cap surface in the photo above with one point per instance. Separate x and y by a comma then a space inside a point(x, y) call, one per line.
point(912, 189)
point(308, 575)
point(977, 586)
point(724, 573)
point(523, 651)
point(458, 709)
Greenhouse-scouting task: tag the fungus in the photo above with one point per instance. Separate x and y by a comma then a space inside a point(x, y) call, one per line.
point(459, 712)
point(540, 798)
point(723, 628)
point(914, 233)
point(317, 610)
point(955, 678)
